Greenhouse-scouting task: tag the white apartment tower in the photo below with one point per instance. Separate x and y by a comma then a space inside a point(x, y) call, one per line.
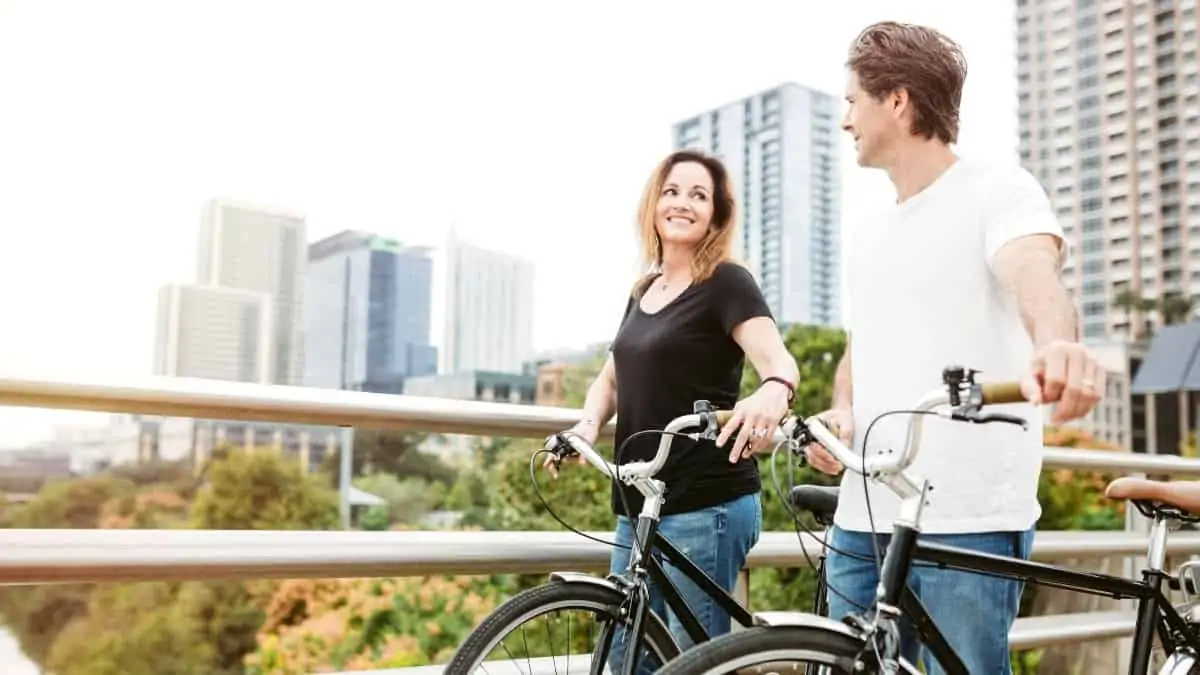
point(489, 310)
point(1109, 108)
point(213, 333)
point(262, 250)
point(781, 150)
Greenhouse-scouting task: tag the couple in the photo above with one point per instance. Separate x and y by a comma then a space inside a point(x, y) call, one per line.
point(962, 268)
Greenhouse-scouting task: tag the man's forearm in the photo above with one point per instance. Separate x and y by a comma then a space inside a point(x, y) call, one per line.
point(1048, 312)
point(843, 383)
point(1029, 269)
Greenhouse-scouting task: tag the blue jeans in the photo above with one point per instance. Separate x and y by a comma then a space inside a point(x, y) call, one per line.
point(717, 539)
point(973, 611)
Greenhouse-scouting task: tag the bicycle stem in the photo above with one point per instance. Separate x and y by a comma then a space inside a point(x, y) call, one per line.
point(888, 468)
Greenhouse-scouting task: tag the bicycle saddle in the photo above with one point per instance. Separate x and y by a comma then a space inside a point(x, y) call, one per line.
point(1183, 495)
point(819, 500)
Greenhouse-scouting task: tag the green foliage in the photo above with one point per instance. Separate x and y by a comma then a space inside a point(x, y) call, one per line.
point(390, 452)
point(151, 628)
point(358, 624)
point(817, 351)
point(263, 491)
point(407, 499)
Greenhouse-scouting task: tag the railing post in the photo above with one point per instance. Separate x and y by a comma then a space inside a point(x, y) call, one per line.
point(741, 592)
point(347, 463)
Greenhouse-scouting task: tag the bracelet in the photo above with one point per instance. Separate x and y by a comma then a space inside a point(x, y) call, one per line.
point(791, 388)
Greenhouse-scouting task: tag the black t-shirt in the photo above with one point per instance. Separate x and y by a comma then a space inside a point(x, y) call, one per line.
point(664, 363)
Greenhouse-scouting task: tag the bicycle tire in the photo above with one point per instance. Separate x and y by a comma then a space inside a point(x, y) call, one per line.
point(771, 644)
point(545, 598)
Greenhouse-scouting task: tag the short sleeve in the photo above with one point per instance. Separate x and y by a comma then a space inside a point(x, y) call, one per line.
point(629, 304)
point(1017, 206)
point(736, 296)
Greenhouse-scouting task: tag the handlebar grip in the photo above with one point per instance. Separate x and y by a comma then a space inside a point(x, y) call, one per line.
point(723, 417)
point(1002, 392)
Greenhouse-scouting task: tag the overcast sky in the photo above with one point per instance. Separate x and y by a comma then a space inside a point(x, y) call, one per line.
point(529, 126)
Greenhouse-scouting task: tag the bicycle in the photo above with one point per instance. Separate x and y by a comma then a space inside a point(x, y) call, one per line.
point(868, 642)
point(619, 599)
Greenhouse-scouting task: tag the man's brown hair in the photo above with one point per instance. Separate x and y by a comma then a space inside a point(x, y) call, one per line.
point(888, 56)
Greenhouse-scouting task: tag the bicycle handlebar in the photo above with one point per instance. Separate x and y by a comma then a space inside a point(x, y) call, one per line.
point(996, 393)
point(961, 394)
point(892, 465)
point(640, 470)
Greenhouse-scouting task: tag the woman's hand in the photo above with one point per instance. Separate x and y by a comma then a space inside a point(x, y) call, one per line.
point(586, 430)
point(755, 418)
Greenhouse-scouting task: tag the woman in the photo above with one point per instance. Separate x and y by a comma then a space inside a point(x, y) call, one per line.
point(688, 328)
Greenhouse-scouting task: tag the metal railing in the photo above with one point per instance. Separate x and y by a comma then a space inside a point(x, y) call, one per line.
point(54, 556)
point(78, 556)
point(212, 399)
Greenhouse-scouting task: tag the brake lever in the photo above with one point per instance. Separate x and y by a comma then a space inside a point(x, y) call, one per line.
point(992, 417)
point(559, 447)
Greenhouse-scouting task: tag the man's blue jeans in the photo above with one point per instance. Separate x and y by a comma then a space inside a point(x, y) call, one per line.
point(973, 611)
point(717, 539)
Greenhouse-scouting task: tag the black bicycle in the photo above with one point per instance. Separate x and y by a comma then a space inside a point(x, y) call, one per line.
point(520, 636)
point(869, 642)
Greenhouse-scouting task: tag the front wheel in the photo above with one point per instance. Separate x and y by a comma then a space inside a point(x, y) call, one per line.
point(537, 631)
point(778, 649)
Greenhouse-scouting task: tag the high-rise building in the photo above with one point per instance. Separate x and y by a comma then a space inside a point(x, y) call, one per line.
point(367, 313)
point(214, 333)
point(1109, 108)
point(489, 310)
point(262, 250)
point(780, 148)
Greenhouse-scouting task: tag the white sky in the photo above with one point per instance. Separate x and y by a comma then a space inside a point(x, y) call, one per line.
point(530, 126)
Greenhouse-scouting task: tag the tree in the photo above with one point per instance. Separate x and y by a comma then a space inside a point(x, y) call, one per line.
point(37, 614)
point(150, 628)
point(1136, 307)
point(263, 491)
point(407, 500)
point(1175, 308)
point(392, 452)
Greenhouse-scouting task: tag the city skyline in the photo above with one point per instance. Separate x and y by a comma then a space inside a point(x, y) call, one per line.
point(103, 163)
point(780, 150)
point(1109, 122)
point(367, 313)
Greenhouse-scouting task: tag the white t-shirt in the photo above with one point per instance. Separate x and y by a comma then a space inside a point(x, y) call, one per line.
point(923, 297)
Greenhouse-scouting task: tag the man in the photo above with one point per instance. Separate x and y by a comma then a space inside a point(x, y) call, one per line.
point(963, 269)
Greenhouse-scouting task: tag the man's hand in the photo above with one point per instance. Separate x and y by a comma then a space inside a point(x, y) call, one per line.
point(1065, 373)
point(841, 422)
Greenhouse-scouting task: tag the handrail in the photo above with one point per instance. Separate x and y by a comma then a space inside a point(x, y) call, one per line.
point(30, 557)
point(218, 399)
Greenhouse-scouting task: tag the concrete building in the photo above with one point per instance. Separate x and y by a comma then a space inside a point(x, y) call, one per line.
point(781, 150)
point(259, 249)
point(1109, 108)
point(367, 314)
point(214, 333)
point(489, 310)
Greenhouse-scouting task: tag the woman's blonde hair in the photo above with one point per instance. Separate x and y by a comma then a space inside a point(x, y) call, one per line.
point(716, 246)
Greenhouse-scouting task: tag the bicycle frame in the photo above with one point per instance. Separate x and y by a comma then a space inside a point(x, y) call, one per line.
point(894, 599)
point(640, 568)
point(649, 568)
point(1155, 611)
point(647, 538)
